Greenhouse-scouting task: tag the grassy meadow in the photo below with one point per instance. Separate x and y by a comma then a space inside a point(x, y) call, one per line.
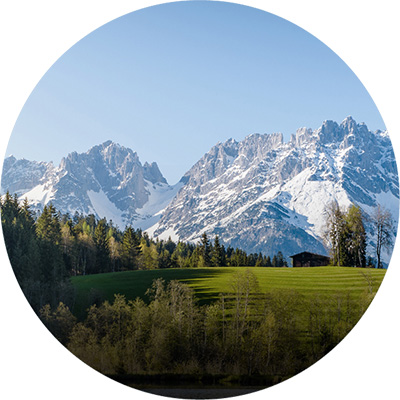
point(324, 283)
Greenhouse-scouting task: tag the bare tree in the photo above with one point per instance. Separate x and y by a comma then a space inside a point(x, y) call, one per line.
point(384, 227)
point(335, 227)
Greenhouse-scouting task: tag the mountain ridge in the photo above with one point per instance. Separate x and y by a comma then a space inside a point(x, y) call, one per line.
point(260, 193)
point(107, 179)
point(266, 194)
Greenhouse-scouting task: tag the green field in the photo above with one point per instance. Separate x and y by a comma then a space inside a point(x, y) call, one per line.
point(324, 282)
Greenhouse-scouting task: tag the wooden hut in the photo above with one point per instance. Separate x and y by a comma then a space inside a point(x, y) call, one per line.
point(306, 259)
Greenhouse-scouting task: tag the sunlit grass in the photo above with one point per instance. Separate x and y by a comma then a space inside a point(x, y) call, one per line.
point(325, 282)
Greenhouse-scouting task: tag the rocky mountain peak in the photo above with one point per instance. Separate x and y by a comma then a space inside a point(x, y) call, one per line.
point(349, 124)
point(260, 194)
point(108, 180)
point(270, 196)
point(152, 173)
point(303, 135)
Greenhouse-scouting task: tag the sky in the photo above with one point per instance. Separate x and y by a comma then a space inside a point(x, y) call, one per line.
point(170, 81)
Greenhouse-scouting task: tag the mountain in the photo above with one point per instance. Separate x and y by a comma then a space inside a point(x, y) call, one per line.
point(108, 181)
point(259, 194)
point(262, 194)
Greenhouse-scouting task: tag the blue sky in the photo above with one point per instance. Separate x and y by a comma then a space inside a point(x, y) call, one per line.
point(172, 80)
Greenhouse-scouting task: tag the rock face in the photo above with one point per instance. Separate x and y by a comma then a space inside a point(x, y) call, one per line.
point(260, 194)
point(263, 194)
point(108, 181)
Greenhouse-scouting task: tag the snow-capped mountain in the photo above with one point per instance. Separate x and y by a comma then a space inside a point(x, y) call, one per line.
point(108, 181)
point(262, 194)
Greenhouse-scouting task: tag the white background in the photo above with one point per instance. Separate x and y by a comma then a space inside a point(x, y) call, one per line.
point(34, 34)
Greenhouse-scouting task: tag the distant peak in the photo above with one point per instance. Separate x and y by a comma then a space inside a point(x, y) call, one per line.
point(108, 147)
point(152, 173)
point(10, 158)
point(110, 143)
point(349, 125)
point(348, 119)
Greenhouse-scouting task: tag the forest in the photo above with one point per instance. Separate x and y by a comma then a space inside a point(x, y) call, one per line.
point(48, 248)
point(245, 332)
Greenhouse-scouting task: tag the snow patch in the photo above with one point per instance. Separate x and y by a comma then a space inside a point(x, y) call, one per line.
point(38, 195)
point(170, 232)
point(160, 195)
point(104, 208)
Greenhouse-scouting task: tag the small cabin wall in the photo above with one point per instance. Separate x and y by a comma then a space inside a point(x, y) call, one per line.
point(309, 260)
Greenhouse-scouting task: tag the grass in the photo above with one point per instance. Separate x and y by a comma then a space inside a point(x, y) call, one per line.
point(326, 282)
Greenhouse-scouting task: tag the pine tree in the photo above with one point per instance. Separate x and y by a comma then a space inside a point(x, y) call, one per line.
point(52, 272)
point(103, 263)
point(21, 243)
point(280, 261)
point(48, 225)
point(130, 249)
point(217, 259)
point(260, 260)
point(169, 245)
point(205, 250)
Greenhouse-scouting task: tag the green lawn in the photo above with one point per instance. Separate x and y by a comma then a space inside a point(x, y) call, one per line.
point(325, 282)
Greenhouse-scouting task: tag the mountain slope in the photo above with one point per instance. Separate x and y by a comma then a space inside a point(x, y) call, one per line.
point(108, 181)
point(259, 194)
point(263, 194)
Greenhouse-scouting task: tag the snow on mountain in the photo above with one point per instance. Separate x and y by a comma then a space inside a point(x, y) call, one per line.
point(260, 194)
point(263, 194)
point(108, 181)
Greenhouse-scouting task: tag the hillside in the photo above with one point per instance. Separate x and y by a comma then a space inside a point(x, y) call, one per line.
point(324, 282)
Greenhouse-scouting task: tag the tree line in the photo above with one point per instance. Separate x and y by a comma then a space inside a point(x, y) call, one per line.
point(346, 235)
point(45, 249)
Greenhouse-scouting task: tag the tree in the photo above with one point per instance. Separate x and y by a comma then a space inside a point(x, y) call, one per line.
point(130, 249)
point(68, 245)
point(102, 249)
point(114, 247)
point(86, 250)
point(280, 260)
point(244, 285)
point(346, 235)
point(205, 250)
point(335, 229)
point(356, 238)
point(383, 223)
point(149, 254)
point(22, 245)
point(48, 230)
point(181, 255)
point(48, 225)
point(59, 322)
point(217, 258)
point(195, 258)
point(260, 260)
